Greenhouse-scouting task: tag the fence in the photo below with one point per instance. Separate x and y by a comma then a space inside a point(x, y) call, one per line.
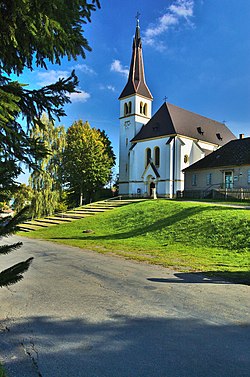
point(226, 194)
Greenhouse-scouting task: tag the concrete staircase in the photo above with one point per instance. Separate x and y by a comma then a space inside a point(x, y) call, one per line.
point(76, 213)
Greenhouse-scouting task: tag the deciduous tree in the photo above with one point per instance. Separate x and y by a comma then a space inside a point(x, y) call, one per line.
point(88, 159)
point(46, 182)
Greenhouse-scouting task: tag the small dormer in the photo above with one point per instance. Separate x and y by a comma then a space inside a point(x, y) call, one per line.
point(200, 131)
point(219, 137)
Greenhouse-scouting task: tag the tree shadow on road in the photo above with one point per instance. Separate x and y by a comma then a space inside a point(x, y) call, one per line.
point(126, 347)
point(209, 277)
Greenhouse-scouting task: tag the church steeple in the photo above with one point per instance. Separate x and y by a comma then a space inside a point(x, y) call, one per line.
point(136, 83)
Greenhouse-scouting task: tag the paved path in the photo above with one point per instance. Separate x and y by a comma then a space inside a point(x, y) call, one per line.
point(79, 313)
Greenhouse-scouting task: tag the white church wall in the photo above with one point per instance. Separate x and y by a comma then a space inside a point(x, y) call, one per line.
point(138, 165)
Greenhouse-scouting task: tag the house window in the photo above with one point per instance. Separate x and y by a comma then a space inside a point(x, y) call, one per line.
point(209, 179)
point(194, 180)
point(147, 157)
point(248, 176)
point(157, 156)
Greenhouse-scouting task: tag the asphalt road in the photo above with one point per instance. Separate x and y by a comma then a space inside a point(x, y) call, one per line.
point(82, 314)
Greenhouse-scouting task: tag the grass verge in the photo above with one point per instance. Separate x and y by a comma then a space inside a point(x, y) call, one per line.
point(183, 236)
point(2, 372)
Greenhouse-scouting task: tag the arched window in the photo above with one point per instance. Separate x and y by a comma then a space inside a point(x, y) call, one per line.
point(148, 156)
point(145, 109)
point(141, 107)
point(129, 107)
point(125, 108)
point(157, 156)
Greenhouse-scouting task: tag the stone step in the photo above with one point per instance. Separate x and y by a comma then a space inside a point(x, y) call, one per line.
point(76, 214)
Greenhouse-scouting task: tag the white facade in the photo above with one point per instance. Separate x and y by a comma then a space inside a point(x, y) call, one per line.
point(175, 154)
point(135, 111)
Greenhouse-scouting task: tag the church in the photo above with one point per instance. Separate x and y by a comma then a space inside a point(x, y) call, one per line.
point(154, 149)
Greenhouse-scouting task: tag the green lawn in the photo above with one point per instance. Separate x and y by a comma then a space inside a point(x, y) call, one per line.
point(181, 235)
point(2, 372)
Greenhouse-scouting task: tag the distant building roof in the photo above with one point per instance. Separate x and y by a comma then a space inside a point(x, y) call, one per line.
point(136, 83)
point(173, 120)
point(234, 153)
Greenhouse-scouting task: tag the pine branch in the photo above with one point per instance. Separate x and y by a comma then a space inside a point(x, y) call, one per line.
point(6, 249)
point(14, 274)
point(11, 226)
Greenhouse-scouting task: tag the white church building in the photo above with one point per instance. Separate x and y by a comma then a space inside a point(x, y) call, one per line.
point(157, 148)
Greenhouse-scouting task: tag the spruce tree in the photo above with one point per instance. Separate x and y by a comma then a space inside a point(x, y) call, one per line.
point(33, 33)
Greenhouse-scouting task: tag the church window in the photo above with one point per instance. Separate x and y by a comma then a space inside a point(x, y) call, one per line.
point(157, 156)
point(148, 156)
point(141, 107)
point(126, 168)
point(126, 141)
point(186, 159)
point(129, 107)
point(125, 108)
point(145, 108)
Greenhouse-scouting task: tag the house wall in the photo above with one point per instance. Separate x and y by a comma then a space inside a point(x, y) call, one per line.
point(241, 178)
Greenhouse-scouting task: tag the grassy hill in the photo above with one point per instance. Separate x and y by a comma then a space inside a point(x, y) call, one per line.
point(185, 236)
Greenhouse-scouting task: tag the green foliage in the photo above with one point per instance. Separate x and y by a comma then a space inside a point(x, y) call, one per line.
point(22, 197)
point(87, 160)
point(33, 32)
point(15, 273)
point(36, 31)
point(2, 372)
point(46, 182)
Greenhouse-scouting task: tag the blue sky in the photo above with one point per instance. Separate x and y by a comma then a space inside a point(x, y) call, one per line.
point(196, 53)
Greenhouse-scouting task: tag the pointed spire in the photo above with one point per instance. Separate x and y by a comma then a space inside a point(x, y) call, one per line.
point(136, 83)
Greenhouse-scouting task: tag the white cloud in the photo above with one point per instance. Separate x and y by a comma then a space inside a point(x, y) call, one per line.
point(51, 76)
point(116, 66)
point(180, 9)
point(111, 87)
point(107, 87)
point(82, 96)
point(85, 69)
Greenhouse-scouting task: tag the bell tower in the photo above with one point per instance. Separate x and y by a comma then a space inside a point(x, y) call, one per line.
point(135, 110)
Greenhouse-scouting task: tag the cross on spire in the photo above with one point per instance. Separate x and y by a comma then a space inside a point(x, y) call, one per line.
point(137, 18)
point(165, 99)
